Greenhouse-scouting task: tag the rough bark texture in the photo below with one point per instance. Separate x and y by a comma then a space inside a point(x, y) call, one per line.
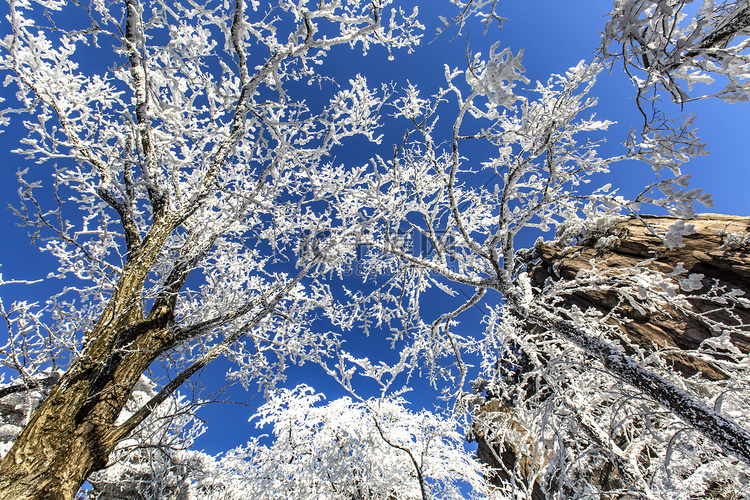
point(71, 433)
point(708, 252)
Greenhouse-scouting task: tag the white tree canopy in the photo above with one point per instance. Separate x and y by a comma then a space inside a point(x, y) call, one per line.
point(670, 45)
point(188, 188)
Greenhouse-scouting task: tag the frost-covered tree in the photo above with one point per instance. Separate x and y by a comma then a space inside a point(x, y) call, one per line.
point(374, 449)
point(196, 211)
point(156, 460)
point(675, 45)
point(560, 370)
point(181, 164)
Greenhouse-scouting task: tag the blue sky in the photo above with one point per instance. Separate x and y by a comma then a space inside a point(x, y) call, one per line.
point(555, 36)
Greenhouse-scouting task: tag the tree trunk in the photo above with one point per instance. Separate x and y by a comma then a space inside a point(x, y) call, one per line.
point(71, 434)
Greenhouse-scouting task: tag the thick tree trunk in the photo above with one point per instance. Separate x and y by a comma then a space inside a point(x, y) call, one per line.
point(72, 432)
point(53, 458)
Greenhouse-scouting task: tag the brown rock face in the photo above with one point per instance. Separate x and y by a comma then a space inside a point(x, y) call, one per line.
point(718, 249)
point(715, 250)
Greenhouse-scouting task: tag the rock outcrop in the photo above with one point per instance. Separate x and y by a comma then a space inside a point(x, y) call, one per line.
point(714, 258)
point(718, 249)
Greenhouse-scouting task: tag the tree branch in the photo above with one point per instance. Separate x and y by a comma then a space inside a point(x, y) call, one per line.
point(123, 430)
point(731, 437)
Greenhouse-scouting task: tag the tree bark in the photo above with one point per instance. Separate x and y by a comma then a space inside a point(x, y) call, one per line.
point(70, 435)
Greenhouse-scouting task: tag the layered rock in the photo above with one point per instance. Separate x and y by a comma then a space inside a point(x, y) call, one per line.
point(718, 249)
point(712, 258)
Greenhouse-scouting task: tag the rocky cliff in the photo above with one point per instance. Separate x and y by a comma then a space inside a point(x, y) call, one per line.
point(718, 249)
point(712, 259)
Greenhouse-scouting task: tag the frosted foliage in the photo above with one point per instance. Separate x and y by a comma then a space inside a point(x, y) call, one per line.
point(345, 449)
point(31, 349)
point(373, 449)
point(486, 10)
point(186, 185)
point(692, 55)
point(196, 132)
point(545, 151)
point(584, 431)
point(578, 401)
point(183, 149)
point(156, 460)
point(576, 428)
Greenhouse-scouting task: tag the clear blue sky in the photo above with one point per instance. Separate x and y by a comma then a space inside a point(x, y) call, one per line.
point(555, 36)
